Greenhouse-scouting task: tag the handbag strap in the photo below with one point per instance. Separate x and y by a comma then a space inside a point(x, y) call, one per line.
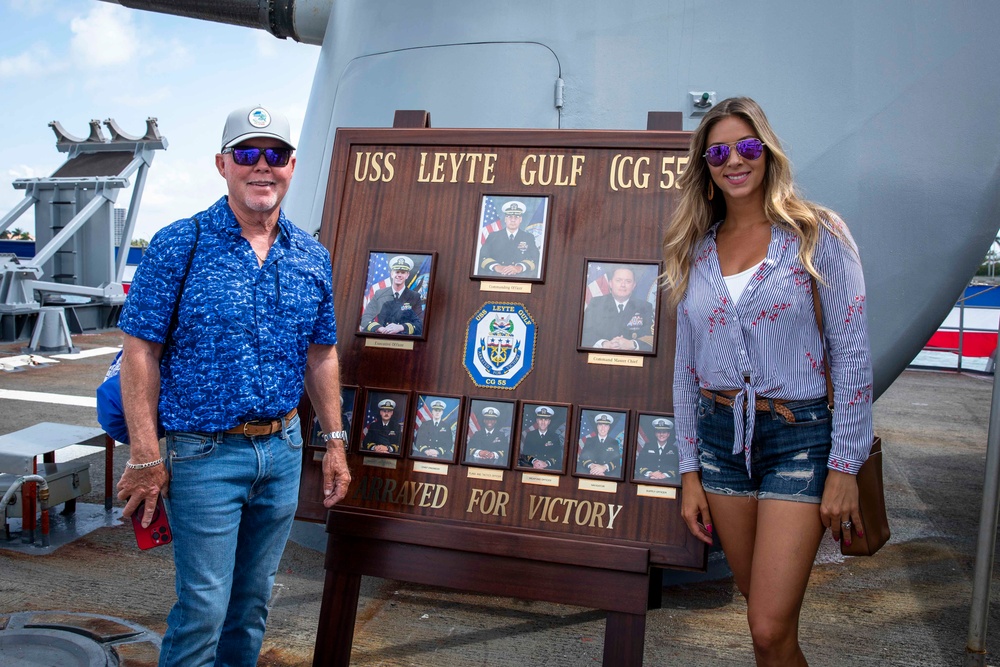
point(818, 310)
point(180, 292)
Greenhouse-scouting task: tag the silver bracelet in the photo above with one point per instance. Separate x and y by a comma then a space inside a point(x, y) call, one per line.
point(140, 466)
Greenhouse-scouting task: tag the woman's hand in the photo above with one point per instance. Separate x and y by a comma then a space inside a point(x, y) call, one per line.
point(694, 507)
point(839, 509)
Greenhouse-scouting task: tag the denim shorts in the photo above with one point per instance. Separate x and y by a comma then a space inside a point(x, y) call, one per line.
point(787, 461)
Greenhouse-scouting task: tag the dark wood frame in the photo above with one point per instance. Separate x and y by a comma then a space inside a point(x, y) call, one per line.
point(470, 405)
point(519, 419)
point(633, 441)
point(411, 438)
point(583, 296)
point(312, 439)
point(577, 434)
point(427, 302)
point(543, 251)
point(404, 419)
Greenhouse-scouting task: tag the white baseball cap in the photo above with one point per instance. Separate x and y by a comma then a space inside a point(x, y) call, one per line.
point(253, 122)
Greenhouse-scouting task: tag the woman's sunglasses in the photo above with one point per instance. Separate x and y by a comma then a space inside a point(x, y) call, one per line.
point(248, 157)
point(748, 149)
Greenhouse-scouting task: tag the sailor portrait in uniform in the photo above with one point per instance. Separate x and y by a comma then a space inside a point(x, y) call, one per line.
point(435, 437)
point(385, 432)
point(601, 454)
point(490, 444)
point(541, 444)
point(510, 252)
point(620, 320)
point(656, 459)
point(395, 309)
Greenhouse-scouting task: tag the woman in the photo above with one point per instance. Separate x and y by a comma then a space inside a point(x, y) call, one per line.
point(771, 477)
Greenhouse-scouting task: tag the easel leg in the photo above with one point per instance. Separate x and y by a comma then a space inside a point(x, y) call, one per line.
point(624, 636)
point(335, 633)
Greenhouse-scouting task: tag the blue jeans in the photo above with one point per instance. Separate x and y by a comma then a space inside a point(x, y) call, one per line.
point(231, 504)
point(787, 459)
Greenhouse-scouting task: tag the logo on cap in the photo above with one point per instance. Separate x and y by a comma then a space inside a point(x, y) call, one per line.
point(437, 405)
point(387, 404)
point(544, 411)
point(662, 424)
point(401, 263)
point(259, 117)
point(513, 208)
point(604, 418)
point(491, 413)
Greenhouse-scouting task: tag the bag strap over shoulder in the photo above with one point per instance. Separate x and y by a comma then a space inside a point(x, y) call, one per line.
point(187, 270)
point(818, 309)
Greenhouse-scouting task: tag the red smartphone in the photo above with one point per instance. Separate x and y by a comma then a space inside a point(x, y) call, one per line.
point(158, 532)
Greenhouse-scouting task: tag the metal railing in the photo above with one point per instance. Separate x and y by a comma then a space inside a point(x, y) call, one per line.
point(959, 350)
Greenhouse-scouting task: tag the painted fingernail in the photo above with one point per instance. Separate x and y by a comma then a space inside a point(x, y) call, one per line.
point(708, 527)
point(861, 533)
point(847, 542)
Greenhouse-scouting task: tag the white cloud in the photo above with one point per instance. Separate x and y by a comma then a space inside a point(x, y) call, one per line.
point(27, 171)
point(106, 36)
point(37, 61)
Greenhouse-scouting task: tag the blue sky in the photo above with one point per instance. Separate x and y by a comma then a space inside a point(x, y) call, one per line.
point(74, 60)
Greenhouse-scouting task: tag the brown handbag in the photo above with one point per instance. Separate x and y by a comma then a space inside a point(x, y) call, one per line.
point(871, 496)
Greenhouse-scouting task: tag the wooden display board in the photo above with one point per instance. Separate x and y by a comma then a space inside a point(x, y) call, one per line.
point(596, 204)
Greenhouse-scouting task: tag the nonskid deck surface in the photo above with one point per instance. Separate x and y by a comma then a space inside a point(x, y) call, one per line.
point(907, 606)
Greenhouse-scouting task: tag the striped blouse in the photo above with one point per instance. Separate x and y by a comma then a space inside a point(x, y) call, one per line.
point(766, 344)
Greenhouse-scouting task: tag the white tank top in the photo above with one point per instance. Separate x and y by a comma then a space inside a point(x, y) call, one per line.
point(738, 282)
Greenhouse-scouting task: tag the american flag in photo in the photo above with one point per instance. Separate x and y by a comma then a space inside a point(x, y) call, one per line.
point(490, 221)
point(424, 409)
point(378, 276)
point(599, 286)
point(642, 437)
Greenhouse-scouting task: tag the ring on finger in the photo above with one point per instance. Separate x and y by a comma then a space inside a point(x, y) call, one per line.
point(846, 524)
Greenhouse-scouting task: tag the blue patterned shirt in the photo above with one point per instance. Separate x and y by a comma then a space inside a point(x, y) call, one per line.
point(770, 335)
point(243, 331)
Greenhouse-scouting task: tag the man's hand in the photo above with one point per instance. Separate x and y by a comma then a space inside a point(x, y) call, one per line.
point(336, 475)
point(146, 484)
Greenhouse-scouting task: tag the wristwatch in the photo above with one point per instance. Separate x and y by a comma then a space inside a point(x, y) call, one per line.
point(334, 435)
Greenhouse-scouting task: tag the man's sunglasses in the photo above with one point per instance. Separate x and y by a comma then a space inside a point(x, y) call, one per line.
point(748, 149)
point(248, 157)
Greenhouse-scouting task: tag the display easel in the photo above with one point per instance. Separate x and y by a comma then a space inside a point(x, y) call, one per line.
point(529, 552)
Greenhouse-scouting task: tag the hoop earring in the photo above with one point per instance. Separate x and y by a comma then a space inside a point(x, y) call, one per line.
point(711, 190)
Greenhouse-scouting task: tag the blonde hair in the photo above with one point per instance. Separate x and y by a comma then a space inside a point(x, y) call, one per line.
point(696, 213)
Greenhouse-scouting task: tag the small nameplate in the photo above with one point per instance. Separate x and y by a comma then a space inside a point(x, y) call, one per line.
point(509, 288)
point(540, 480)
point(389, 344)
point(656, 491)
point(598, 485)
point(379, 462)
point(432, 468)
point(486, 473)
point(614, 360)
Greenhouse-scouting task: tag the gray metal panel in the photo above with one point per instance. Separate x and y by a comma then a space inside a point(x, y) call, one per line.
point(94, 164)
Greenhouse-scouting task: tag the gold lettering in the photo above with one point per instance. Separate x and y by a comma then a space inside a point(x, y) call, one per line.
point(438, 495)
point(576, 169)
point(549, 170)
point(597, 516)
point(359, 171)
point(388, 490)
point(641, 178)
point(437, 174)
point(526, 178)
point(611, 172)
point(390, 169)
point(473, 499)
point(613, 511)
point(536, 503)
point(472, 159)
point(570, 503)
point(423, 177)
point(456, 164)
point(549, 515)
point(425, 497)
point(586, 504)
point(488, 163)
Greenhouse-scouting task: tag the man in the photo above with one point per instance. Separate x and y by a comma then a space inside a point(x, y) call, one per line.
point(395, 309)
point(510, 252)
point(617, 321)
point(489, 445)
point(384, 433)
point(541, 448)
point(436, 436)
point(600, 454)
point(658, 459)
point(255, 325)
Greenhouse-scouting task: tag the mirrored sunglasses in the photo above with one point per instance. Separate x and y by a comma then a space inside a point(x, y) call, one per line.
point(248, 157)
point(748, 149)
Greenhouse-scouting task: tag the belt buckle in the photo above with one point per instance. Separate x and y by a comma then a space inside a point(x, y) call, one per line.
point(256, 422)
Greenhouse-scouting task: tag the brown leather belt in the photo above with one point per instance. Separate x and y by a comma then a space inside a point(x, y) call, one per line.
point(761, 405)
point(258, 427)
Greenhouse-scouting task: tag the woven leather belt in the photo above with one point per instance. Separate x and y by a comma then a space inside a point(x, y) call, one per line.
point(761, 405)
point(258, 427)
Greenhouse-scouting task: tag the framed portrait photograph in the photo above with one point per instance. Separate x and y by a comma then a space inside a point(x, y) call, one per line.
point(542, 445)
point(619, 306)
point(489, 436)
point(348, 398)
point(600, 444)
point(435, 427)
point(511, 238)
point(384, 422)
point(656, 460)
point(397, 294)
